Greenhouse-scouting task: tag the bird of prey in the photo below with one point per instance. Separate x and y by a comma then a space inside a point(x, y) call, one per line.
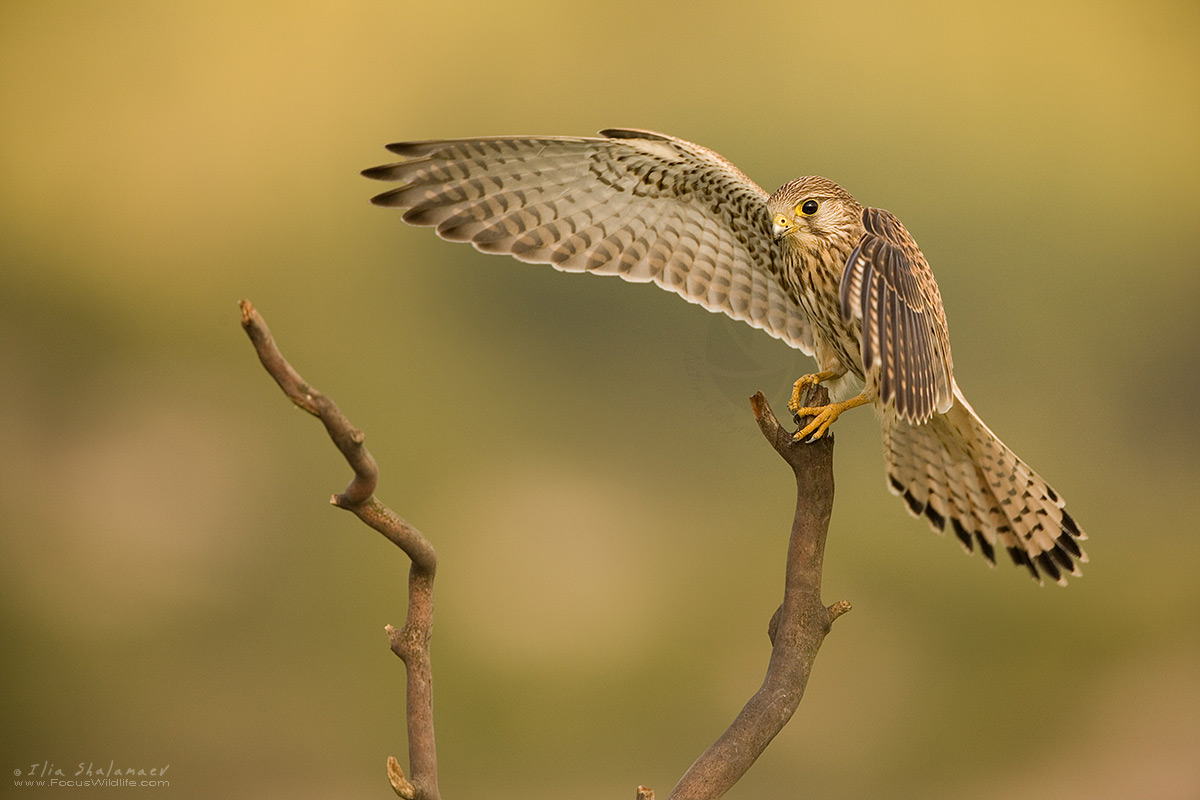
point(808, 264)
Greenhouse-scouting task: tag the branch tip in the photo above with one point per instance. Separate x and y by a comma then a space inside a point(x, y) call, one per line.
point(400, 784)
point(838, 608)
point(765, 417)
point(645, 793)
point(758, 402)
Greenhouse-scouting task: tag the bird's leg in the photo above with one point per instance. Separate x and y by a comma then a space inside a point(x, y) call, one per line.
point(824, 416)
point(810, 380)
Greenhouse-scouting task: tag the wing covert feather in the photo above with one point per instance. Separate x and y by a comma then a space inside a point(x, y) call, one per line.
point(888, 285)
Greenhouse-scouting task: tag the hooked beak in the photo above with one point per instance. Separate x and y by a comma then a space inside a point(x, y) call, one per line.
point(781, 227)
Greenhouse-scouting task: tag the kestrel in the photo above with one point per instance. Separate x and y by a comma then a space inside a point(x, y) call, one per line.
point(808, 264)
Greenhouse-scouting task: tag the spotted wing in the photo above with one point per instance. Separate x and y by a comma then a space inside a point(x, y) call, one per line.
point(888, 285)
point(640, 205)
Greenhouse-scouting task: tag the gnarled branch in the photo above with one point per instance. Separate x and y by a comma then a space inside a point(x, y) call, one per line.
point(411, 642)
point(797, 628)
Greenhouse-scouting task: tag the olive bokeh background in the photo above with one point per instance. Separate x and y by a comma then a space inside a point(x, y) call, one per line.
point(611, 527)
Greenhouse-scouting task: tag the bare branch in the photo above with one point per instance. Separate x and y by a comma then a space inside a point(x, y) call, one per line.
point(798, 627)
point(410, 643)
point(796, 630)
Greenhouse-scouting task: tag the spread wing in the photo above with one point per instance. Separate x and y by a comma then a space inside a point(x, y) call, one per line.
point(888, 285)
point(640, 205)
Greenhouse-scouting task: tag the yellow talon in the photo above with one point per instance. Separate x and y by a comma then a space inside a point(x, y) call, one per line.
point(808, 380)
point(824, 416)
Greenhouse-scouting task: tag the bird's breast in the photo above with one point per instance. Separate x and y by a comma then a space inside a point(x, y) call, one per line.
point(817, 275)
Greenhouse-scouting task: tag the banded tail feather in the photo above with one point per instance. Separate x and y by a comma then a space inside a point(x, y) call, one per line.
point(958, 474)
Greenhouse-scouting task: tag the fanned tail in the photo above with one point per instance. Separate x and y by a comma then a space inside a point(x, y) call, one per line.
point(955, 472)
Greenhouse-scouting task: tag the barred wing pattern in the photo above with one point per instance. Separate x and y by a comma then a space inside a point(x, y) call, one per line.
point(652, 208)
point(640, 205)
point(888, 285)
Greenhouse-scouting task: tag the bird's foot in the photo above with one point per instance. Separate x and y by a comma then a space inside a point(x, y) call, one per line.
point(824, 416)
point(804, 382)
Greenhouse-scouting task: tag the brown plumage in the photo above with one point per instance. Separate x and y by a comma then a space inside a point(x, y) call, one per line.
point(808, 264)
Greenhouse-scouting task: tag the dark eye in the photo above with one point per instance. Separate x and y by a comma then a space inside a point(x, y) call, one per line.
point(809, 207)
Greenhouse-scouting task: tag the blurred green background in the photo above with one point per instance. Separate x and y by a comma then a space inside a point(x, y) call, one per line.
point(611, 525)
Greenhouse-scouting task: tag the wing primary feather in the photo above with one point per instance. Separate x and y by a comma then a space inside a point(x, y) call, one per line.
point(923, 376)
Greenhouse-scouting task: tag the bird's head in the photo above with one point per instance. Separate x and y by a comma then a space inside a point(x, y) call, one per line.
point(813, 208)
